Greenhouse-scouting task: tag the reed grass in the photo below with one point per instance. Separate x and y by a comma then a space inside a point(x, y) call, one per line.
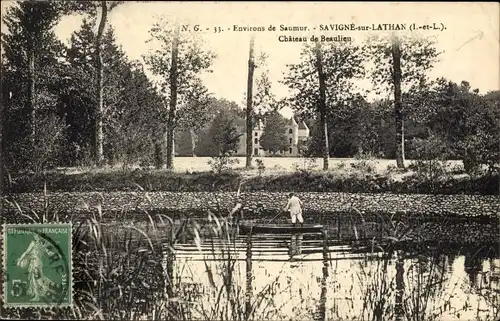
point(126, 271)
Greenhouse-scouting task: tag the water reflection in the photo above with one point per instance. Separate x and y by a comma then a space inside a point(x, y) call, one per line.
point(300, 275)
point(249, 278)
point(295, 244)
point(321, 315)
point(473, 265)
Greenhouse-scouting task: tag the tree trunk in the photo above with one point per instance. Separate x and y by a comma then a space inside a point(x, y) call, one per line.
point(398, 104)
point(158, 153)
point(3, 110)
point(249, 277)
point(322, 106)
point(324, 287)
point(99, 136)
point(399, 307)
point(173, 99)
point(192, 135)
point(251, 67)
point(31, 108)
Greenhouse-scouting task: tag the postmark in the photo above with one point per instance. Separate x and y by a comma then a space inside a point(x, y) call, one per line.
point(37, 262)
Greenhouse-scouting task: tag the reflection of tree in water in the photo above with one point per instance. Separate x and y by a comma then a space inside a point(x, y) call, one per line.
point(399, 288)
point(473, 265)
point(401, 285)
point(426, 278)
point(295, 245)
point(321, 312)
point(450, 259)
point(224, 296)
point(485, 283)
point(372, 276)
point(249, 287)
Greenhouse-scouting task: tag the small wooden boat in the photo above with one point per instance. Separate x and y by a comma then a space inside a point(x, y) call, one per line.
point(245, 228)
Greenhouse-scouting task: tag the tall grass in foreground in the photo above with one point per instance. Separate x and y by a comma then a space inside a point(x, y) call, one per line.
point(126, 272)
point(117, 271)
point(227, 297)
point(414, 285)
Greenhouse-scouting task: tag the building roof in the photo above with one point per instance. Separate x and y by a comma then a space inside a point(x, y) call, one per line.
point(302, 125)
point(242, 125)
point(291, 121)
point(259, 125)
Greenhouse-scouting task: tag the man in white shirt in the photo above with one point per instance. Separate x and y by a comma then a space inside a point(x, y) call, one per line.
point(294, 206)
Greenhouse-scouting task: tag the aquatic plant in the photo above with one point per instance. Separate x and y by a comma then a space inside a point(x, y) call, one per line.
point(125, 271)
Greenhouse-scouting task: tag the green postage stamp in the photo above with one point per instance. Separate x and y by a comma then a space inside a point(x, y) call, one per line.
point(37, 264)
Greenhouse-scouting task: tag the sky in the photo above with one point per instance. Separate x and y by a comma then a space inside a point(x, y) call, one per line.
point(470, 41)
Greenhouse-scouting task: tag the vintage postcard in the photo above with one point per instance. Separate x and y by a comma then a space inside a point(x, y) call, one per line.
point(168, 160)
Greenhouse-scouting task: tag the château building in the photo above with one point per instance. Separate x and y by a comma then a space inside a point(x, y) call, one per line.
point(295, 132)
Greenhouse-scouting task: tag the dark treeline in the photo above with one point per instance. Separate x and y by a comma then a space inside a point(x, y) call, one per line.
point(451, 122)
point(56, 127)
point(51, 99)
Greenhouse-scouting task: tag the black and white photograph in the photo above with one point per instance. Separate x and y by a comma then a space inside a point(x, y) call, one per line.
point(237, 160)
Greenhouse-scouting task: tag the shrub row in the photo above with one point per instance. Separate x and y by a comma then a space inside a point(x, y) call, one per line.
point(307, 182)
point(208, 181)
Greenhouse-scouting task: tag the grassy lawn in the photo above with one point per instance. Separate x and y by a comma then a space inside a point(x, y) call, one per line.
point(278, 174)
point(273, 165)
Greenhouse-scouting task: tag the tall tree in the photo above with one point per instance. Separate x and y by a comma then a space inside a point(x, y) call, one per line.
point(2, 116)
point(30, 24)
point(179, 61)
point(351, 130)
point(469, 123)
point(322, 104)
point(274, 138)
point(322, 82)
point(31, 55)
point(173, 96)
point(92, 7)
point(400, 62)
point(264, 101)
point(249, 109)
point(398, 108)
point(134, 119)
point(80, 96)
point(204, 143)
point(99, 153)
point(224, 134)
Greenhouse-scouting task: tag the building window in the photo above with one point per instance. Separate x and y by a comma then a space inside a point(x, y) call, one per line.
point(290, 131)
point(256, 140)
point(290, 150)
point(290, 140)
point(256, 134)
point(255, 151)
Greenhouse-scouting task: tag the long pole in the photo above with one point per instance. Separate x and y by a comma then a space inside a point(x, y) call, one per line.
point(275, 216)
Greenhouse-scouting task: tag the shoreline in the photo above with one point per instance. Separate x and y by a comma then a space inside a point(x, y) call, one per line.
point(259, 204)
point(340, 181)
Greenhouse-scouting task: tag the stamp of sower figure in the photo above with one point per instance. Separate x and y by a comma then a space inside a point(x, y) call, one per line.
point(37, 265)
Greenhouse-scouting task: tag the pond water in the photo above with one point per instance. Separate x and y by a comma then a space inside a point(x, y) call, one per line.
point(296, 277)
